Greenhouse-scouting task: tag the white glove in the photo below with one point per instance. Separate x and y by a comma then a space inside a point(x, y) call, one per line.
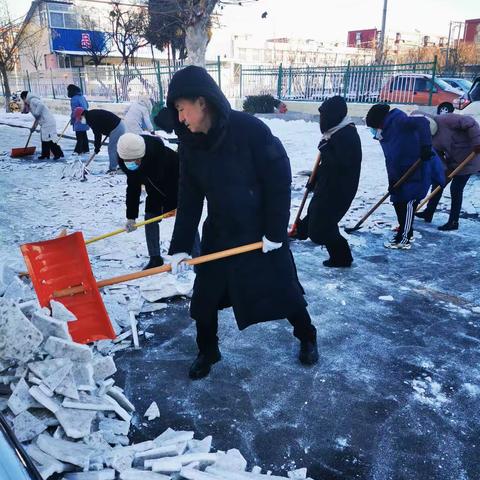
point(268, 246)
point(130, 225)
point(176, 262)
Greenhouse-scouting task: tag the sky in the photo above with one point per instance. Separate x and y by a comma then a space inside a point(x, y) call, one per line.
point(329, 21)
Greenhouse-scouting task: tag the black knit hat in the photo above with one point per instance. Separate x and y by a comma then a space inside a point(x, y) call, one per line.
point(376, 115)
point(332, 112)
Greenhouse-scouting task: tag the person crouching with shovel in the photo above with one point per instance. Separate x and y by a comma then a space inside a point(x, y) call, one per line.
point(232, 159)
point(48, 126)
point(147, 161)
point(405, 141)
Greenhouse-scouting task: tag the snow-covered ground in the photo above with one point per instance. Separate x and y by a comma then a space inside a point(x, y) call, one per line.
point(396, 392)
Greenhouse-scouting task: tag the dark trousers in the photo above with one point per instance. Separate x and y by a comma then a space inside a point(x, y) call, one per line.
point(152, 237)
point(53, 147)
point(207, 328)
point(405, 214)
point(82, 143)
point(456, 191)
point(326, 232)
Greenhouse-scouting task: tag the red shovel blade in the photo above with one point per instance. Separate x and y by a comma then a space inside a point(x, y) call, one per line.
point(22, 152)
point(61, 263)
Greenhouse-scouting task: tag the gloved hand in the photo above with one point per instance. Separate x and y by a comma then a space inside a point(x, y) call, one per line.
point(476, 148)
point(426, 152)
point(268, 246)
point(176, 262)
point(130, 225)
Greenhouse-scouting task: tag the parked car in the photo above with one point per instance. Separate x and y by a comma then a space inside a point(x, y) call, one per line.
point(15, 464)
point(469, 104)
point(460, 83)
point(415, 88)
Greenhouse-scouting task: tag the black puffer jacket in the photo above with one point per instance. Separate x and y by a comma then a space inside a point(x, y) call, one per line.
point(339, 171)
point(244, 173)
point(159, 173)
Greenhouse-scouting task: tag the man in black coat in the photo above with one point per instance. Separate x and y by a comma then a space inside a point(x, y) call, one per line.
point(147, 161)
point(233, 160)
point(336, 182)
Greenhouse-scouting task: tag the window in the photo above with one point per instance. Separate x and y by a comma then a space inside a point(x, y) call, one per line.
point(70, 20)
point(56, 20)
point(421, 85)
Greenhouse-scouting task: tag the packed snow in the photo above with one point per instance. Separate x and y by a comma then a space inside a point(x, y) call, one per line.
point(398, 334)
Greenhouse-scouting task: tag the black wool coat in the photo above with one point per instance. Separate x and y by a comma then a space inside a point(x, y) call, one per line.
point(159, 172)
point(243, 172)
point(336, 182)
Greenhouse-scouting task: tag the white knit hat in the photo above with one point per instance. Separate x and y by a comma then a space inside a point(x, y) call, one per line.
point(131, 146)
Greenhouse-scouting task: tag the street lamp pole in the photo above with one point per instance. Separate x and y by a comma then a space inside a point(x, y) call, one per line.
point(379, 56)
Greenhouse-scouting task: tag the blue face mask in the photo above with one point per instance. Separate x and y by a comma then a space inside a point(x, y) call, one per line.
point(131, 165)
point(373, 131)
point(376, 133)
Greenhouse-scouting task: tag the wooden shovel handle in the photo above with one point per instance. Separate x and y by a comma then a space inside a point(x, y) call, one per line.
point(305, 196)
point(164, 268)
point(171, 213)
point(402, 180)
point(449, 178)
point(63, 131)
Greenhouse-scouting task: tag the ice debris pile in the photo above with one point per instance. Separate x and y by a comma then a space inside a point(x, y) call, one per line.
point(63, 405)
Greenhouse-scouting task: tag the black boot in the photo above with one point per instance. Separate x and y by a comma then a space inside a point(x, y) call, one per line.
point(155, 261)
point(308, 352)
point(335, 264)
point(450, 225)
point(426, 215)
point(200, 368)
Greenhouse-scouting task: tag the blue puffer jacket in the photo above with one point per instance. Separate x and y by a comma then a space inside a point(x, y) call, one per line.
point(78, 100)
point(403, 137)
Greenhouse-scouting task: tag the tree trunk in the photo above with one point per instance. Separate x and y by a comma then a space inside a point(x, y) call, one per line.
point(196, 41)
point(6, 86)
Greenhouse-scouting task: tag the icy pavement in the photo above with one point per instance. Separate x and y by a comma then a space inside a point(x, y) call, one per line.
point(396, 393)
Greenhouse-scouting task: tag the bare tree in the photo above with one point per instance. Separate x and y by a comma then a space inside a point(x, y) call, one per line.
point(194, 19)
point(129, 31)
point(12, 36)
point(33, 51)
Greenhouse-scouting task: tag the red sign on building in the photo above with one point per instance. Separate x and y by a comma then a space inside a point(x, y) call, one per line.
point(472, 31)
point(362, 38)
point(85, 41)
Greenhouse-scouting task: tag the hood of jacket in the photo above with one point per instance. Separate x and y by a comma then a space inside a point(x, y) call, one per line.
point(332, 112)
point(73, 90)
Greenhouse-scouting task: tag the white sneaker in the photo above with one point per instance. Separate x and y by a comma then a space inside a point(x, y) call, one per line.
point(395, 245)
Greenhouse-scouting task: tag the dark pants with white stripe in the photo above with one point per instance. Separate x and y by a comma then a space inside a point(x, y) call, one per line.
point(405, 214)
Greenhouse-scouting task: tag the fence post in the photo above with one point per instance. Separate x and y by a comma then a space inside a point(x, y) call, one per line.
point(115, 82)
point(159, 81)
point(307, 84)
point(290, 80)
point(241, 82)
point(28, 81)
point(219, 66)
point(434, 70)
point(80, 81)
point(280, 81)
point(51, 81)
point(324, 79)
point(346, 80)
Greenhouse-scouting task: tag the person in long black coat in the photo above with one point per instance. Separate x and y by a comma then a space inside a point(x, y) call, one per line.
point(232, 159)
point(147, 161)
point(336, 182)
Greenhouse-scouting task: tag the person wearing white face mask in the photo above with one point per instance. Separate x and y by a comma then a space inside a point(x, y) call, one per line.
point(147, 161)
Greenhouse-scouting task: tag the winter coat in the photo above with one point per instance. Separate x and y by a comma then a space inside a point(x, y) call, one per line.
point(244, 173)
point(455, 138)
point(78, 100)
point(159, 173)
point(46, 120)
point(102, 122)
point(403, 137)
point(137, 118)
point(336, 181)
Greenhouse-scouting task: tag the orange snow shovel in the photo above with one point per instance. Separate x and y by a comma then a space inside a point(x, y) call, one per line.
point(60, 269)
point(25, 151)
